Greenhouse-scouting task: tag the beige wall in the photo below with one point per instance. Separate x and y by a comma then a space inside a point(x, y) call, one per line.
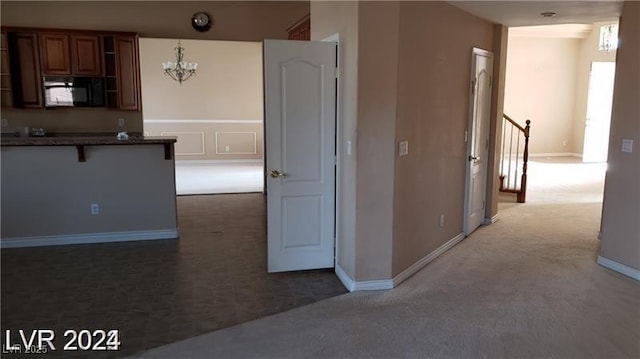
point(233, 20)
point(378, 40)
point(72, 120)
point(227, 85)
point(397, 67)
point(329, 18)
point(588, 53)
point(621, 213)
point(541, 85)
point(432, 114)
point(217, 114)
point(136, 194)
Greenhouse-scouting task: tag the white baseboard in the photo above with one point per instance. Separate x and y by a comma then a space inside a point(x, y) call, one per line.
point(426, 260)
point(352, 285)
point(348, 283)
point(556, 154)
point(217, 162)
point(378, 284)
point(619, 267)
point(491, 220)
point(384, 284)
point(18, 242)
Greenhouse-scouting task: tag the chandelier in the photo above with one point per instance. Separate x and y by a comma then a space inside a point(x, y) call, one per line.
point(179, 70)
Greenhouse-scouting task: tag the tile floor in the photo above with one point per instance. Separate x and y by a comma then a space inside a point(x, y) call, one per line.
point(158, 292)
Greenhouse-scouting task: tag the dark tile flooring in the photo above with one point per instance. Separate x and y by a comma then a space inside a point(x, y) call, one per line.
point(158, 292)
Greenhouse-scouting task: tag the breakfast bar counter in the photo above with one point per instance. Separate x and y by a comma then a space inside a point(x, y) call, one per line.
point(76, 189)
point(80, 141)
point(84, 140)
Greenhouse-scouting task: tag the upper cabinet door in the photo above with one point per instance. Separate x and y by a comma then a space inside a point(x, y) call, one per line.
point(54, 52)
point(28, 83)
point(128, 72)
point(6, 91)
point(86, 55)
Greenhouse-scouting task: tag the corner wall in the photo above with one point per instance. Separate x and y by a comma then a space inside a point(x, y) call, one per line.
point(500, 45)
point(621, 211)
point(378, 40)
point(329, 18)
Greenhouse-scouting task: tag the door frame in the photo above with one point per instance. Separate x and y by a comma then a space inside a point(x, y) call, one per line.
point(335, 38)
point(469, 134)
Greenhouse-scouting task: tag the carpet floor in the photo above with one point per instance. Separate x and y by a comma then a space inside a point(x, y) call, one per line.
point(205, 178)
point(527, 286)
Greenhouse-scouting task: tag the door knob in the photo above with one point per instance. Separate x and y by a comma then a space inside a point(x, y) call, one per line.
point(474, 158)
point(276, 174)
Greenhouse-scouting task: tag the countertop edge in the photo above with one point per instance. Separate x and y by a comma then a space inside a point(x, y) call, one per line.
point(85, 141)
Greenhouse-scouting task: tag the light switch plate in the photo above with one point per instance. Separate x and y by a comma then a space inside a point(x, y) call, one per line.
point(403, 148)
point(627, 145)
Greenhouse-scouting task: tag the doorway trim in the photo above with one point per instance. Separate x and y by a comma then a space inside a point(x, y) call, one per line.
point(335, 38)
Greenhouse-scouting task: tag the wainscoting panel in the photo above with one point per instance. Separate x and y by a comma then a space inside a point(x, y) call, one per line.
point(236, 143)
point(211, 139)
point(189, 143)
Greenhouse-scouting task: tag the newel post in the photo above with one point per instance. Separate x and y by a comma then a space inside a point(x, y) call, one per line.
point(525, 158)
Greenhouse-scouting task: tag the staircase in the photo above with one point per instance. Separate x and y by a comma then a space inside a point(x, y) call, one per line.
point(514, 158)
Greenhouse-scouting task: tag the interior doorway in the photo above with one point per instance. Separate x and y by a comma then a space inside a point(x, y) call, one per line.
point(599, 101)
point(478, 139)
point(216, 115)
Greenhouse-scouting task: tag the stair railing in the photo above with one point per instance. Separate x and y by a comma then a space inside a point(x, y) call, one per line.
point(513, 156)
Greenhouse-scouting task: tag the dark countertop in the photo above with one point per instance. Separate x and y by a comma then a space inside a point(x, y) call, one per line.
point(84, 140)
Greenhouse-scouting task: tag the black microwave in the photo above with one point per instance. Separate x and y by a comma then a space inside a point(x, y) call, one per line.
point(74, 91)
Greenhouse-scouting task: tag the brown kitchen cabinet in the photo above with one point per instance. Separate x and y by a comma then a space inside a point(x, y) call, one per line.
point(6, 91)
point(86, 55)
point(26, 77)
point(122, 71)
point(55, 51)
point(301, 30)
point(70, 54)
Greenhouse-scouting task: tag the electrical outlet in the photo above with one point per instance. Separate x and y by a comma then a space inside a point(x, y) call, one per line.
point(403, 148)
point(442, 220)
point(121, 122)
point(95, 208)
point(227, 148)
point(627, 145)
point(564, 143)
point(5, 122)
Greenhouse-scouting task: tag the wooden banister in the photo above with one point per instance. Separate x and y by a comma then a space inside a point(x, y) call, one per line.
point(515, 123)
point(508, 159)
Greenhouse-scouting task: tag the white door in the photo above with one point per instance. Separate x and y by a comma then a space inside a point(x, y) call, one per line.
point(478, 139)
point(300, 114)
point(599, 102)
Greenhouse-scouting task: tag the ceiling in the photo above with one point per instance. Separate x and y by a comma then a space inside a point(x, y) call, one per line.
point(527, 13)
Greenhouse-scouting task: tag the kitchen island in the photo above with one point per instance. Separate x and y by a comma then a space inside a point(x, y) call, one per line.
point(75, 189)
